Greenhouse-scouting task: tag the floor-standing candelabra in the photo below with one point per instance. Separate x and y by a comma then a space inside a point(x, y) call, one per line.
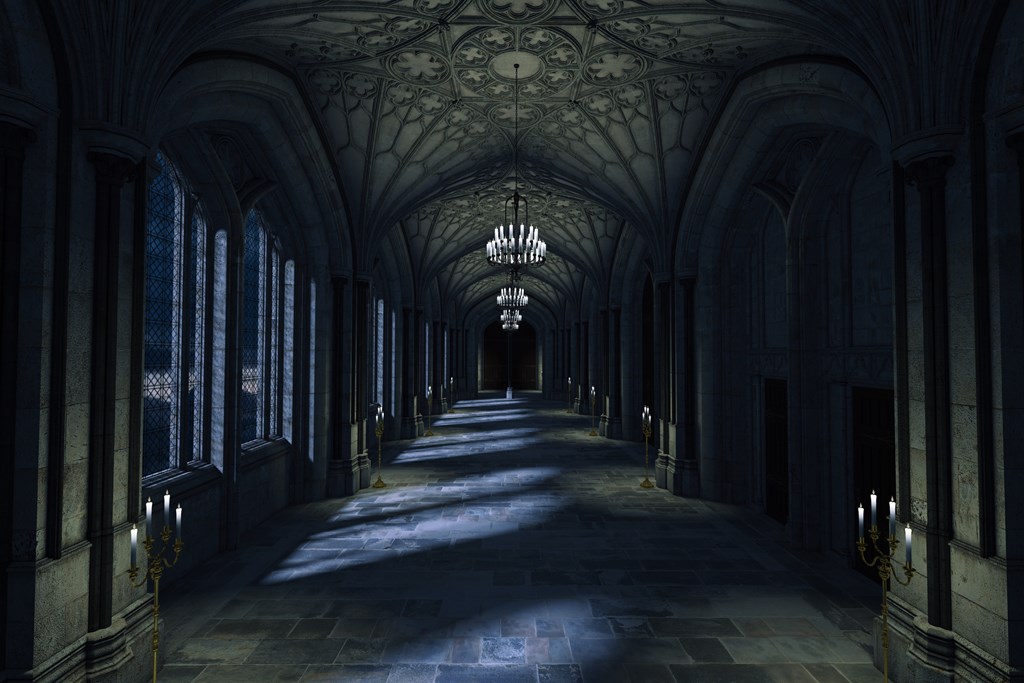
point(646, 416)
point(883, 561)
point(451, 395)
point(379, 430)
point(569, 394)
point(156, 562)
point(593, 412)
point(430, 402)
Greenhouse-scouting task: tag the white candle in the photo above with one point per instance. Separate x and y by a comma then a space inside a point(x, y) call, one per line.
point(177, 515)
point(909, 533)
point(167, 509)
point(149, 518)
point(892, 518)
point(860, 520)
point(135, 544)
point(874, 513)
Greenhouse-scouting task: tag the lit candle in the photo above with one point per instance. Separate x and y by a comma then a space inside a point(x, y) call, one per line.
point(892, 518)
point(167, 509)
point(909, 533)
point(428, 391)
point(177, 525)
point(874, 513)
point(149, 518)
point(860, 520)
point(135, 544)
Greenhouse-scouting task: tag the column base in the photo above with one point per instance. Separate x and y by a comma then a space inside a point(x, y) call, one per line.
point(508, 393)
point(343, 478)
point(363, 467)
point(603, 423)
point(664, 469)
point(689, 479)
point(576, 406)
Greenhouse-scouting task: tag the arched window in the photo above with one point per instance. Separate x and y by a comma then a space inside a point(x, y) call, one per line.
point(175, 325)
point(261, 333)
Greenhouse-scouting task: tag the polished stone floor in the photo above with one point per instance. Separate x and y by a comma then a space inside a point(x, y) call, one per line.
point(512, 546)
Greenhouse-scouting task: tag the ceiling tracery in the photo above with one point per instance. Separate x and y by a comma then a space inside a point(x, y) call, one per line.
point(615, 96)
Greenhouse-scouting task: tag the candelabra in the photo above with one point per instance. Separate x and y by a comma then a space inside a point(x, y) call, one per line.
point(156, 563)
point(593, 413)
point(379, 484)
point(569, 394)
point(451, 395)
point(430, 402)
point(883, 561)
point(646, 417)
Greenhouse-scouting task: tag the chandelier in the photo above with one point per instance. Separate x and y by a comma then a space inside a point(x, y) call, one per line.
point(510, 319)
point(506, 249)
point(512, 297)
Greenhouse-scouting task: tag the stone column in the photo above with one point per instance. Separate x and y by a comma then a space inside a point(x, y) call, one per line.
point(13, 141)
point(578, 373)
point(663, 419)
point(361, 359)
point(112, 171)
point(929, 176)
point(408, 370)
point(339, 477)
point(689, 480)
point(614, 410)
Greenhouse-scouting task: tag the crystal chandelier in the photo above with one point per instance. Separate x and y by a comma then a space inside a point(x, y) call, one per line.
point(506, 249)
point(512, 297)
point(510, 319)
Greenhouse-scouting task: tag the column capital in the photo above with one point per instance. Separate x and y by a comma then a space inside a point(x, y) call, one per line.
point(14, 139)
point(929, 170)
point(106, 139)
point(923, 144)
point(111, 169)
point(1015, 141)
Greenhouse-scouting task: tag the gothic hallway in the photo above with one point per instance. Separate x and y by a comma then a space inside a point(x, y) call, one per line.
point(512, 546)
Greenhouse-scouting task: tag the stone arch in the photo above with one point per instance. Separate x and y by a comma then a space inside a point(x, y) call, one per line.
point(265, 104)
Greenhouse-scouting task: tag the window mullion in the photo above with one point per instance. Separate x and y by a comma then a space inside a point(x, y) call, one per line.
point(185, 331)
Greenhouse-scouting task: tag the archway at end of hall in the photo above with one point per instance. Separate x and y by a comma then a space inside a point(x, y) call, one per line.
point(501, 348)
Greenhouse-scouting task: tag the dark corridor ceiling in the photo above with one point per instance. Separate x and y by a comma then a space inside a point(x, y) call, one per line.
point(615, 98)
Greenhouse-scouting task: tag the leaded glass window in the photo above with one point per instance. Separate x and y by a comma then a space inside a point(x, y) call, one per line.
point(254, 317)
point(174, 325)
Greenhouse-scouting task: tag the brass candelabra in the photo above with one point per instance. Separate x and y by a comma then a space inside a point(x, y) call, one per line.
point(593, 412)
point(646, 416)
point(430, 402)
point(379, 430)
point(569, 394)
point(883, 560)
point(156, 563)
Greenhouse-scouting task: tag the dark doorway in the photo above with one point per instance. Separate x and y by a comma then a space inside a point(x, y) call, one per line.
point(874, 459)
point(776, 449)
point(520, 347)
point(647, 386)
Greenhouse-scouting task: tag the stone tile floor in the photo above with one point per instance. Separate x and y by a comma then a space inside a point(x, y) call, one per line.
point(512, 546)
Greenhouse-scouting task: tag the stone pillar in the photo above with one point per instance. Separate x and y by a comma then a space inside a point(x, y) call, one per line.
point(581, 380)
point(361, 360)
point(408, 370)
point(339, 471)
point(689, 480)
point(665, 461)
point(614, 409)
point(112, 171)
point(929, 176)
point(13, 141)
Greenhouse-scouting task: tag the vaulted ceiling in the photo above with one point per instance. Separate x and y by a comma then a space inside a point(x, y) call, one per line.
point(416, 102)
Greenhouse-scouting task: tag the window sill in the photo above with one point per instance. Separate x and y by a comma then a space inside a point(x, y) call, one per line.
point(181, 483)
point(255, 453)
